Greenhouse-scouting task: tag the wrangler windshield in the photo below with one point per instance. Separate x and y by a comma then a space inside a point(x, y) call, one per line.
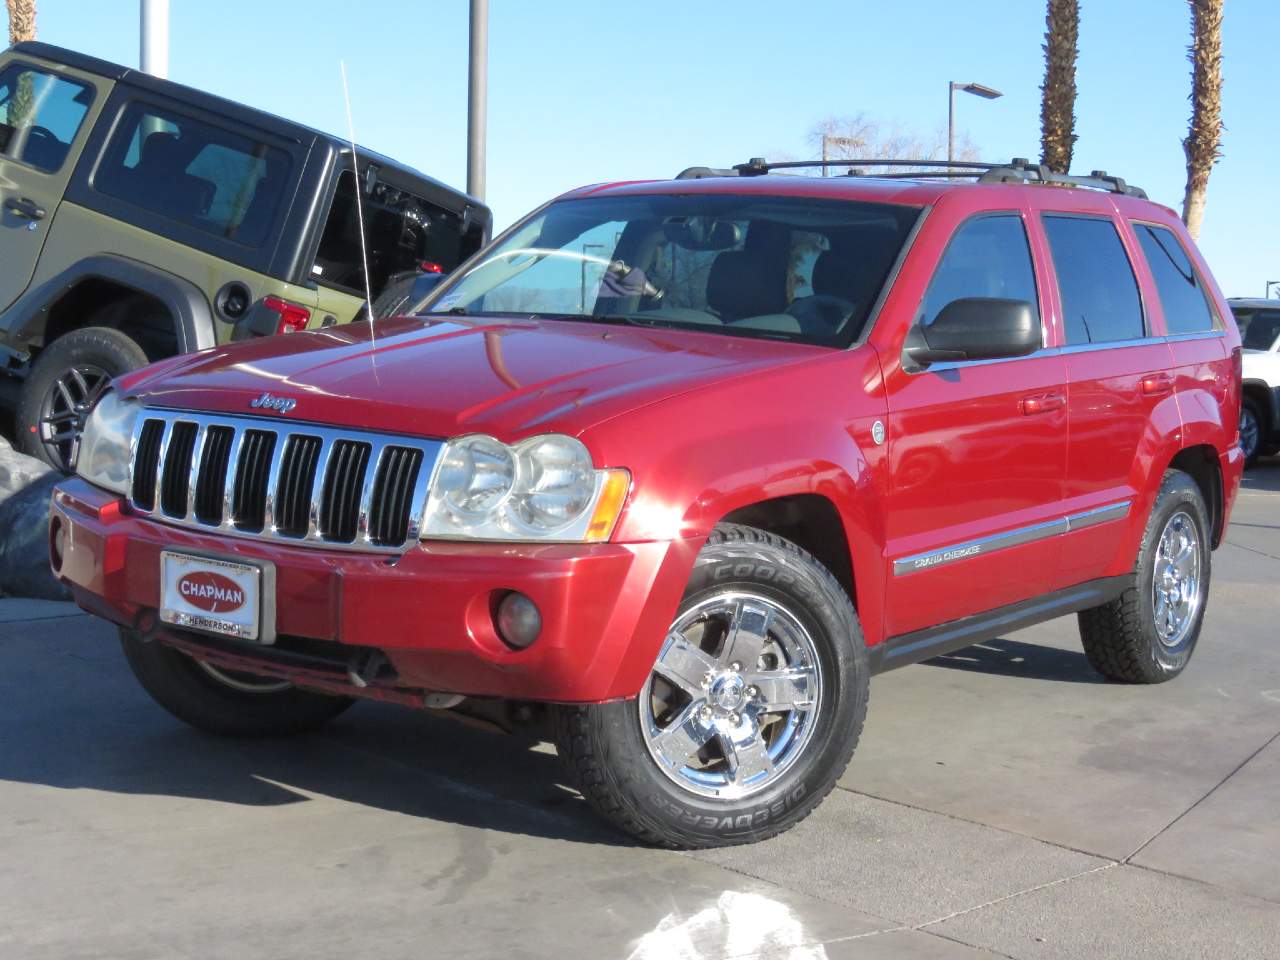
point(783, 267)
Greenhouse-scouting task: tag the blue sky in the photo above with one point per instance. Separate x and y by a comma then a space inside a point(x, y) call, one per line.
point(583, 92)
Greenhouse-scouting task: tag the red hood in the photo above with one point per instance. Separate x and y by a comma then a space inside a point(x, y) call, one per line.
point(445, 378)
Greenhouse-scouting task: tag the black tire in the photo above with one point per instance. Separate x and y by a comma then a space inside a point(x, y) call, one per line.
point(1120, 638)
point(605, 751)
point(184, 688)
point(1250, 411)
point(90, 351)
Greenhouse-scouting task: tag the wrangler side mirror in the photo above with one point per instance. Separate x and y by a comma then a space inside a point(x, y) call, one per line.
point(976, 328)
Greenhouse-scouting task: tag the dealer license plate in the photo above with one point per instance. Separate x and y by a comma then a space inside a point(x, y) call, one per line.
point(213, 595)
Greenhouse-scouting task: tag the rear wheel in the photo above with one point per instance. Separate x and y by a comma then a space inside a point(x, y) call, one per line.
point(65, 382)
point(1148, 633)
point(225, 702)
point(751, 713)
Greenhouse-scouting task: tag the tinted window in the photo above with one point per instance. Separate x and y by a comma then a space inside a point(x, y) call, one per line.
point(195, 173)
point(1100, 301)
point(1186, 308)
point(1258, 328)
point(40, 115)
point(987, 257)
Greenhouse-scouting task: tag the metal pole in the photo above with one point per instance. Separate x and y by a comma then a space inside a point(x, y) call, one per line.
point(951, 121)
point(477, 98)
point(154, 58)
point(824, 154)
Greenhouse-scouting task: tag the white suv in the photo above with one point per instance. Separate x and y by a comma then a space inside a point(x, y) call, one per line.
point(1259, 322)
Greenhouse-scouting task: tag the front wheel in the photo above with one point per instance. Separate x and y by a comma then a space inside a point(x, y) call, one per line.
point(1148, 633)
point(1250, 432)
point(751, 713)
point(225, 702)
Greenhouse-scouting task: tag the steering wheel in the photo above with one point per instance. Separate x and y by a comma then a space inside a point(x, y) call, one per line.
point(821, 313)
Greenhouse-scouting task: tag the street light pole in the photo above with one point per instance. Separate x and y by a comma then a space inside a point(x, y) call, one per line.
point(978, 90)
point(154, 54)
point(477, 98)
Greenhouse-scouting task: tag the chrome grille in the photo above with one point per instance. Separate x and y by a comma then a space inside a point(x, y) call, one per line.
point(292, 483)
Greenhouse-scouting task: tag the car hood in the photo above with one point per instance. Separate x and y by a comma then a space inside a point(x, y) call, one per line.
point(441, 378)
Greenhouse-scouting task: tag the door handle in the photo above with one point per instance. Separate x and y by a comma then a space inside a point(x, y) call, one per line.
point(25, 208)
point(1041, 403)
point(1157, 383)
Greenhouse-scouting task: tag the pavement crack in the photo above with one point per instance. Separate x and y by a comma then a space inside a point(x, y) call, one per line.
point(1212, 790)
point(1260, 553)
point(1019, 893)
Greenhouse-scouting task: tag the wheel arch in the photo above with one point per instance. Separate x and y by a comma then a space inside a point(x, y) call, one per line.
point(48, 311)
point(1267, 400)
point(1202, 464)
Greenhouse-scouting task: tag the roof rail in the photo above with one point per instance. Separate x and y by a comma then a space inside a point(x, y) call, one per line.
point(1017, 170)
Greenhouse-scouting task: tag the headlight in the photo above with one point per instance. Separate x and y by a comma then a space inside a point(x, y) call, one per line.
point(543, 488)
point(103, 457)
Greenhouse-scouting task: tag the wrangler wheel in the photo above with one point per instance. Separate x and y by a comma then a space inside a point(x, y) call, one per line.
point(752, 710)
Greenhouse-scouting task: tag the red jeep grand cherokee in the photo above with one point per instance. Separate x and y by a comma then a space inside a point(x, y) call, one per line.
point(680, 465)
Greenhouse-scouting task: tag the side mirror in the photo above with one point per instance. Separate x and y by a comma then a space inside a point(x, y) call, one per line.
point(976, 328)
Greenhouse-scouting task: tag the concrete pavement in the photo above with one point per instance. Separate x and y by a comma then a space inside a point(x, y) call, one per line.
point(1004, 803)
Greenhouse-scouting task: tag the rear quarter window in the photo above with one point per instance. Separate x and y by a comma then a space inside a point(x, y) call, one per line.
point(1100, 299)
point(1182, 296)
point(221, 183)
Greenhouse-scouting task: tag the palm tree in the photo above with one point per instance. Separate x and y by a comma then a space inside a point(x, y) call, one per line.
point(1204, 139)
point(22, 20)
point(1058, 93)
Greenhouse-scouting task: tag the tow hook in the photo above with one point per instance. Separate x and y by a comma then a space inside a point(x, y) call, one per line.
point(363, 668)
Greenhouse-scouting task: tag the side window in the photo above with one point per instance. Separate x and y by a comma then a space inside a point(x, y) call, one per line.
point(1100, 300)
point(222, 183)
point(1186, 307)
point(40, 115)
point(987, 256)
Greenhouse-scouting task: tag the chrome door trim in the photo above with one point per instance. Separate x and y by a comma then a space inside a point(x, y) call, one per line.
point(1010, 538)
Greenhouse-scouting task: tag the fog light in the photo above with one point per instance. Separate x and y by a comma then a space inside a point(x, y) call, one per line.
point(518, 620)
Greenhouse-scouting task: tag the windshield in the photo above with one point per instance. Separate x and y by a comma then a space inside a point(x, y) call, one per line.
point(1258, 328)
point(783, 267)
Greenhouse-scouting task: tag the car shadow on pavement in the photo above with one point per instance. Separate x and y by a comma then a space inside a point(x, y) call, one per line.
point(67, 733)
point(1264, 475)
point(1013, 658)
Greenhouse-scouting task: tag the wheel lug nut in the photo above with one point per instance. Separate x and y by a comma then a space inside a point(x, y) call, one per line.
point(753, 692)
point(734, 718)
point(735, 667)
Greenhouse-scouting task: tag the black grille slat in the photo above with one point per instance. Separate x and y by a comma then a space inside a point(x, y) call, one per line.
point(146, 463)
point(293, 493)
point(343, 485)
point(250, 504)
point(212, 478)
point(393, 495)
point(176, 478)
point(299, 483)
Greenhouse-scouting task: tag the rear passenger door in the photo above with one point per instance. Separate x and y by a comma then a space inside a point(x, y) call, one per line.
point(1120, 394)
point(977, 449)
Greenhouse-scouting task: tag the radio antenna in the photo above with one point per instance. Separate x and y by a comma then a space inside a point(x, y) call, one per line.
point(355, 176)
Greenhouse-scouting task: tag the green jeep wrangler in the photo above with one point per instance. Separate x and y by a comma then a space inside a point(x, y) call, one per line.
point(140, 218)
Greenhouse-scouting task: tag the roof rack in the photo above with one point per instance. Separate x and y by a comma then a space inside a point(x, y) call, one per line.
point(1017, 170)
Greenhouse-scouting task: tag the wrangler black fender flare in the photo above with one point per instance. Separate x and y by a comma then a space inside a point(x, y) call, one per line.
point(192, 315)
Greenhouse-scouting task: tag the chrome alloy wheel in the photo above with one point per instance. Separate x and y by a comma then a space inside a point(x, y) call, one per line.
point(1176, 585)
point(1250, 432)
point(244, 682)
point(65, 408)
point(734, 696)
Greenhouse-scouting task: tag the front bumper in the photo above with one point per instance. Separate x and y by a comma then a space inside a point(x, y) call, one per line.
point(605, 607)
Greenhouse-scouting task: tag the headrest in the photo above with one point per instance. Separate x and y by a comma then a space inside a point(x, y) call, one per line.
point(739, 287)
point(162, 150)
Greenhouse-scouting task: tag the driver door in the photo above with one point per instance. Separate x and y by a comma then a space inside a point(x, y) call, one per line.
point(977, 449)
point(44, 119)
